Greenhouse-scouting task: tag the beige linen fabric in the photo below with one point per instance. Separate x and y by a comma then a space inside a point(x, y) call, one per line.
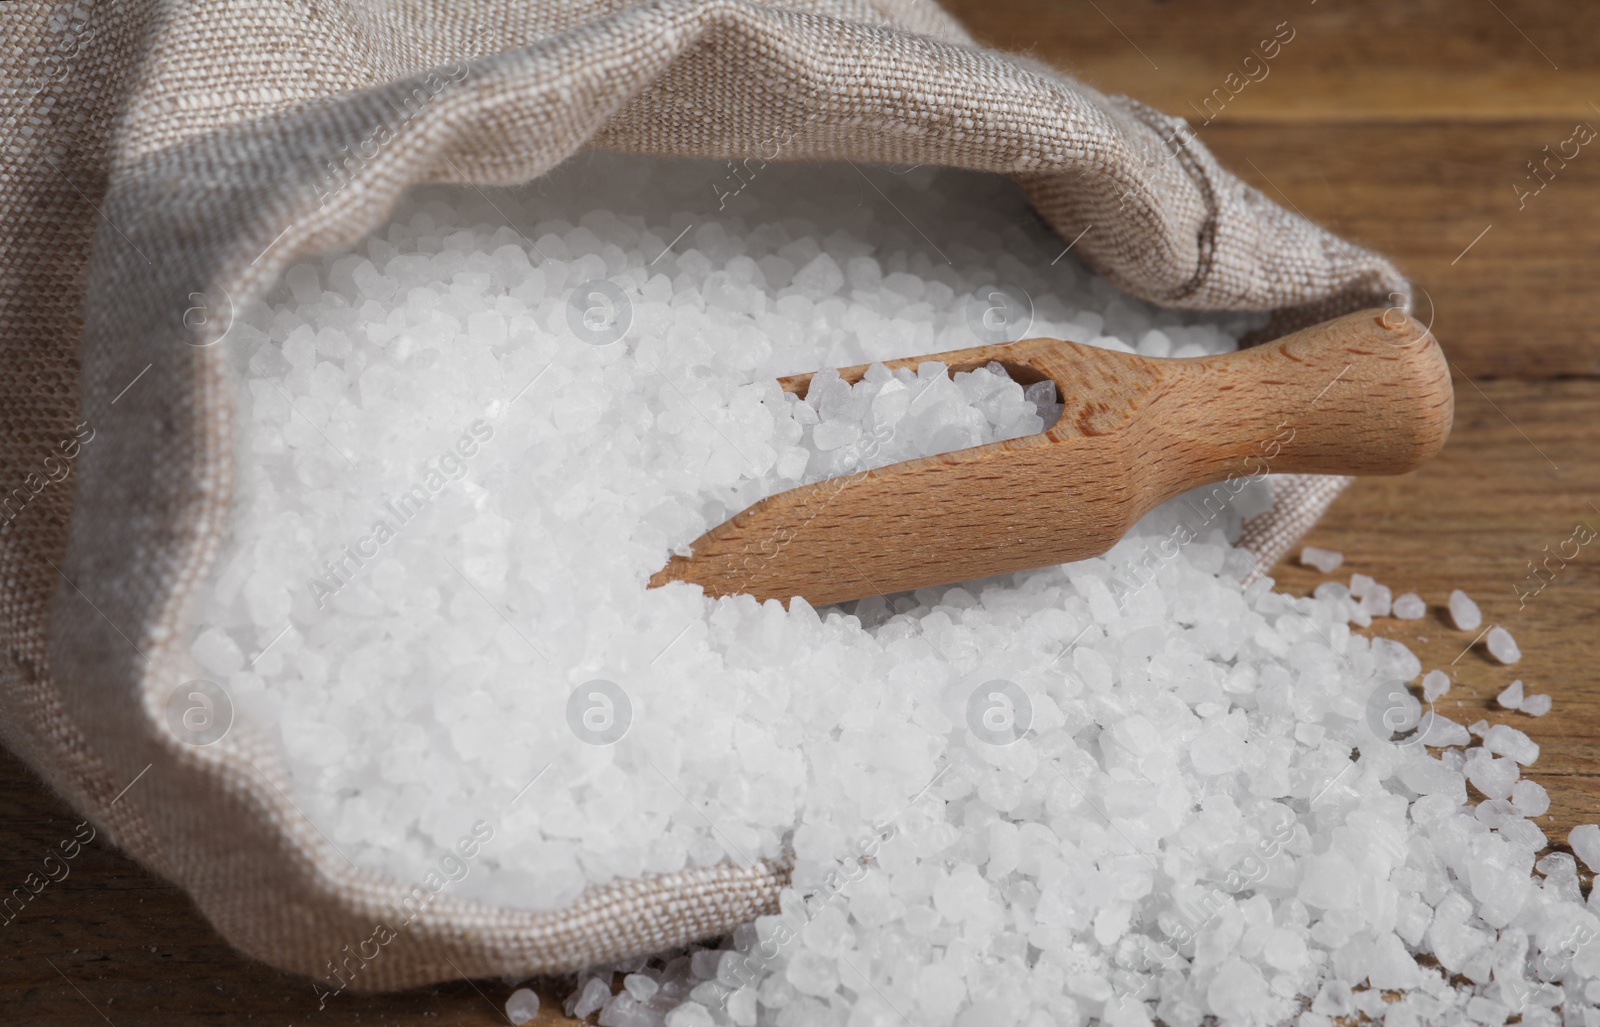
point(163, 161)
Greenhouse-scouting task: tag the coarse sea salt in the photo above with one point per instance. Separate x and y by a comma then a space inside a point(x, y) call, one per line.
point(1409, 606)
point(1129, 788)
point(522, 1006)
point(1585, 842)
point(1536, 705)
point(1464, 612)
point(1502, 646)
point(1325, 560)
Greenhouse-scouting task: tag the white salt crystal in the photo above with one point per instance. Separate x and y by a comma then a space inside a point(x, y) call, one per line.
point(1238, 991)
point(1485, 1011)
point(1530, 798)
point(522, 1006)
point(812, 973)
point(1502, 646)
point(821, 277)
point(594, 994)
point(1464, 611)
point(1505, 740)
point(1536, 705)
point(641, 986)
point(1497, 813)
point(1391, 967)
point(1378, 601)
point(1435, 684)
point(690, 1014)
point(961, 894)
point(1511, 696)
point(1431, 777)
point(623, 1010)
point(1360, 584)
point(1325, 560)
point(217, 652)
point(1584, 841)
point(1409, 606)
point(1334, 1000)
point(828, 932)
point(1442, 731)
point(742, 1007)
point(1525, 835)
point(1331, 590)
point(991, 1012)
point(1493, 777)
point(1557, 864)
point(830, 435)
point(707, 993)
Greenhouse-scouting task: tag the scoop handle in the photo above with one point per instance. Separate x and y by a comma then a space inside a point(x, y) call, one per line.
point(1367, 393)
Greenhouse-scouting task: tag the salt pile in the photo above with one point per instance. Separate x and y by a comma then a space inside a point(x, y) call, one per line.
point(1126, 788)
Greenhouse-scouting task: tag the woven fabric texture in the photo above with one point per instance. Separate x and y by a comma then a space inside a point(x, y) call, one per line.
point(164, 160)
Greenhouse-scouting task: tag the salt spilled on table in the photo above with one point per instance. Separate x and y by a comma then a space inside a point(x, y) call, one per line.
point(1464, 612)
point(522, 1006)
point(1325, 560)
point(1409, 606)
point(1502, 646)
point(1210, 772)
point(1585, 842)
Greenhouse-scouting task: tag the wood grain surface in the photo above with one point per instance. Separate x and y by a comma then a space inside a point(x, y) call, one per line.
point(1400, 123)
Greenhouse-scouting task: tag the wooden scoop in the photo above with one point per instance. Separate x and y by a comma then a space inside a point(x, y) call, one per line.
point(1368, 393)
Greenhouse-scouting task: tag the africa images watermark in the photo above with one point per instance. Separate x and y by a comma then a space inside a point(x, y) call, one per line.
point(449, 466)
point(742, 174)
point(452, 867)
point(1542, 173)
point(1254, 68)
point(1144, 569)
point(54, 868)
point(56, 470)
point(1542, 575)
point(70, 31)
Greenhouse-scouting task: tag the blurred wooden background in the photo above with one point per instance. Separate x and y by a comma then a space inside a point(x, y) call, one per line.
point(1401, 124)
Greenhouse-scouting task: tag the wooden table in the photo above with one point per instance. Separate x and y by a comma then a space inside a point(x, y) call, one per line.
point(1400, 125)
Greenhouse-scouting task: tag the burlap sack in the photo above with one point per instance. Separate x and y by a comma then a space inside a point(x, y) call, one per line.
point(164, 160)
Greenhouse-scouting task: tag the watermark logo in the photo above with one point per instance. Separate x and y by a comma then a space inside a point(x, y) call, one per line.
point(1000, 313)
point(199, 712)
point(999, 712)
point(56, 470)
point(598, 312)
point(205, 312)
point(1394, 715)
point(599, 712)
